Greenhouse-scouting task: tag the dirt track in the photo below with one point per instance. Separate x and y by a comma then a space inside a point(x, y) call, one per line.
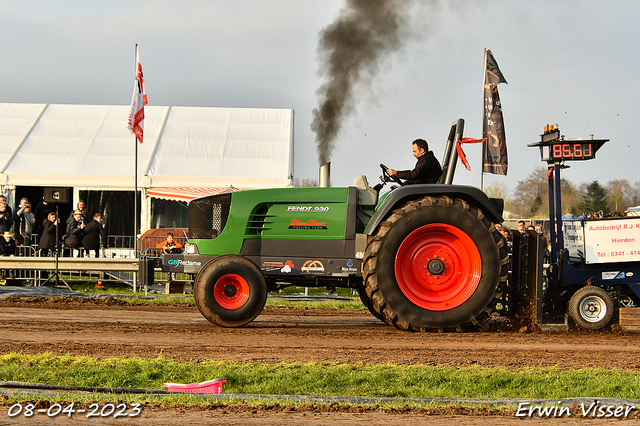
point(112, 329)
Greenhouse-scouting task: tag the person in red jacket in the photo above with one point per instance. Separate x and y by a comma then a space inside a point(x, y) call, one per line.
point(170, 245)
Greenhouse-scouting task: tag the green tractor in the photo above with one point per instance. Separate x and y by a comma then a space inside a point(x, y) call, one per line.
point(422, 257)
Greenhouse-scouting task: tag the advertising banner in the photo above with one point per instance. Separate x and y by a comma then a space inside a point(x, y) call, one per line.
point(609, 241)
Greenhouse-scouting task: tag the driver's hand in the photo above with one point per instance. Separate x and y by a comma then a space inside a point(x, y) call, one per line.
point(391, 172)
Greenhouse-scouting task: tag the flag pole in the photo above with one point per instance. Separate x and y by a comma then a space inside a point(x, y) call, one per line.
point(484, 119)
point(135, 174)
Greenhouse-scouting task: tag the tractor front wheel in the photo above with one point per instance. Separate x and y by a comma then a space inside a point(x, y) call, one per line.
point(230, 291)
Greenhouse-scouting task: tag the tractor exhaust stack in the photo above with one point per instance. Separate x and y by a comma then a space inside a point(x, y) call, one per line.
point(325, 175)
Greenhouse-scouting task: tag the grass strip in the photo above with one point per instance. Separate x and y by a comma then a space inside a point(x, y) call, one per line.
point(88, 288)
point(321, 304)
point(324, 379)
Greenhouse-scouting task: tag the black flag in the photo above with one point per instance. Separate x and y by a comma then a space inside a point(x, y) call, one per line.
point(495, 147)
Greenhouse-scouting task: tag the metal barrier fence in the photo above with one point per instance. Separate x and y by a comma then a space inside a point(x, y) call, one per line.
point(121, 241)
point(36, 269)
point(119, 247)
point(29, 266)
point(148, 244)
point(21, 274)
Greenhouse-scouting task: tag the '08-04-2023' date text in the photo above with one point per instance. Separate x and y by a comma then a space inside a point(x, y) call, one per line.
point(69, 410)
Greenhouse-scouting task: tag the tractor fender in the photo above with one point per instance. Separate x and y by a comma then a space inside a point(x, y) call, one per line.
point(491, 207)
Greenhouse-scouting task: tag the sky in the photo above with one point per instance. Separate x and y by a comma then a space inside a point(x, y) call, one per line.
point(575, 63)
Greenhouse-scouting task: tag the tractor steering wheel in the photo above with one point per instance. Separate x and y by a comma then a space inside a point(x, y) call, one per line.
point(387, 177)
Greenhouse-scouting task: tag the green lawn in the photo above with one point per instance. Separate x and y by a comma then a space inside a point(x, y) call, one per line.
point(324, 379)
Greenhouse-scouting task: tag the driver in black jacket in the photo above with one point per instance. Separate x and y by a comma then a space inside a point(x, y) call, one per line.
point(427, 168)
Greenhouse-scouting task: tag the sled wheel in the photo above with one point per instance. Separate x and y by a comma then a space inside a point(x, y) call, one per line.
point(591, 307)
point(230, 291)
point(435, 263)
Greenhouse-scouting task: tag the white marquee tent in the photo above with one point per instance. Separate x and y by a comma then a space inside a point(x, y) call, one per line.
point(90, 147)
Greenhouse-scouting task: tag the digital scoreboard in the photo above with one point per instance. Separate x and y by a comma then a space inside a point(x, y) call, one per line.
point(568, 151)
point(555, 148)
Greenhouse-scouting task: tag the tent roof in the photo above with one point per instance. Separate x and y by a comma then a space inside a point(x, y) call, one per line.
point(187, 194)
point(89, 146)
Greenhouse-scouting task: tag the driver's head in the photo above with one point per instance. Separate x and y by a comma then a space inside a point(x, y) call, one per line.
point(420, 148)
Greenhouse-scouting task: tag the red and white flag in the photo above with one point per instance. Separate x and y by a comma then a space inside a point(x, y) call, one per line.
point(138, 101)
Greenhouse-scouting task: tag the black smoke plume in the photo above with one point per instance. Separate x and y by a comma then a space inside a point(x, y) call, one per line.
point(350, 52)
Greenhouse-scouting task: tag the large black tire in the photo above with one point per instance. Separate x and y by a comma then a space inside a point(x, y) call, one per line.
point(591, 307)
point(367, 302)
point(436, 263)
point(230, 291)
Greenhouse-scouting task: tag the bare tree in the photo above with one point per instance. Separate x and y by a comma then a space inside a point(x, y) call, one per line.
point(305, 183)
point(531, 194)
point(499, 190)
point(621, 195)
point(531, 198)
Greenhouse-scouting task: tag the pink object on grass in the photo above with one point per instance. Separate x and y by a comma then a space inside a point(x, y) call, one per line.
point(211, 386)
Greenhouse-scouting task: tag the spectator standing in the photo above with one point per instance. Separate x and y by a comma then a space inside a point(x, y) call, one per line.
point(48, 241)
point(93, 232)
point(42, 213)
point(545, 243)
point(538, 227)
point(8, 244)
point(5, 217)
point(7, 248)
point(25, 219)
point(75, 228)
point(508, 238)
point(82, 207)
point(21, 204)
point(4, 200)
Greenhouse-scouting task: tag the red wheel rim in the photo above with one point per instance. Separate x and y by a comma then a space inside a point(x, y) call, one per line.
point(438, 267)
point(231, 291)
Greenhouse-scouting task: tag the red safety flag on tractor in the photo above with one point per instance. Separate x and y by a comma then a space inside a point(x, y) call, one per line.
point(494, 157)
point(461, 154)
point(138, 101)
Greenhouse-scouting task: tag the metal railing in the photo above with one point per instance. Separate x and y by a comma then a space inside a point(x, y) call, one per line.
point(148, 244)
point(117, 263)
point(121, 241)
point(36, 269)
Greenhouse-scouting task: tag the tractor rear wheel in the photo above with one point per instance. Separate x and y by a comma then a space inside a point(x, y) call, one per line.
point(591, 307)
point(230, 291)
point(436, 263)
point(367, 302)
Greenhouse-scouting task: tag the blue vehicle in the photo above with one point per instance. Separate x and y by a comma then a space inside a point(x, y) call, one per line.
point(594, 263)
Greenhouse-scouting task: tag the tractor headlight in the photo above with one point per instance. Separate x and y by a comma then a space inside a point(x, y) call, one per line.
point(191, 248)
